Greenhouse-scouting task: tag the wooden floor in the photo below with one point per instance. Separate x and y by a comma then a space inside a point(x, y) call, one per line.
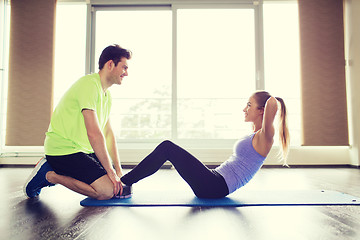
point(57, 214)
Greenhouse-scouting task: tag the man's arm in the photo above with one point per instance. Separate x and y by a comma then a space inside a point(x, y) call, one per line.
point(97, 141)
point(112, 148)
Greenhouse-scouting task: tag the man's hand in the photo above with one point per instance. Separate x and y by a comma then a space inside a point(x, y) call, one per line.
point(115, 179)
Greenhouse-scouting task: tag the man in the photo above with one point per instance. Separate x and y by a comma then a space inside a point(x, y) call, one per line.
point(80, 142)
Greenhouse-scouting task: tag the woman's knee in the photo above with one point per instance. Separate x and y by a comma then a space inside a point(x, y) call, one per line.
point(166, 143)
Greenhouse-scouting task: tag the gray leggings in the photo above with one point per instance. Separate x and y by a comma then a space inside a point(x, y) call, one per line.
point(205, 182)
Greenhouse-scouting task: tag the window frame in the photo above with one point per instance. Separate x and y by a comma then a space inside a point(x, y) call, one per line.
point(4, 65)
point(259, 62)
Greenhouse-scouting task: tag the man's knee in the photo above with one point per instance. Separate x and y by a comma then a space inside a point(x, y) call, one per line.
point(105, 195)
point(104, 188)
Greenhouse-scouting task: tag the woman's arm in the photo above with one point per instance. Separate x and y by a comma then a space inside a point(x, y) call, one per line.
point(270, 110)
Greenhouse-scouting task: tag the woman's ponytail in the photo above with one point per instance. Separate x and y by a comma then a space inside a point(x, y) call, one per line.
point(283, 131)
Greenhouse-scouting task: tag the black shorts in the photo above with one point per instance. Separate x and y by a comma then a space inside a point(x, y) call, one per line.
point(81, 166)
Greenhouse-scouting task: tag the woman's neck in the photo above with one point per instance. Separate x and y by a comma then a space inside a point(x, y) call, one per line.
point(257, 126)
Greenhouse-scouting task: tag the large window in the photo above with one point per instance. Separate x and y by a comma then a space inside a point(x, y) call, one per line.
point(189, 78)
point(193, 68)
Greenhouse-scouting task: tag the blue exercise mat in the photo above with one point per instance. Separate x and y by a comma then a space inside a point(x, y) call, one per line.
point(237, 199)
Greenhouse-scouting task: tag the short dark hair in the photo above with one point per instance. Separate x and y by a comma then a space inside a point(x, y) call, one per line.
point(115, 53)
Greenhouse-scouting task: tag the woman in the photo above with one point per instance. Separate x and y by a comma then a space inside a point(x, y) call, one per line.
point(248, 156)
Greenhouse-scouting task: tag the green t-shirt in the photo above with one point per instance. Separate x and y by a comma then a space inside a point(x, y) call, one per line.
point(67, 132)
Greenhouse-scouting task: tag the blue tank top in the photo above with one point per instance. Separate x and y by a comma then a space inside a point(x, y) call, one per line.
point(242, 165)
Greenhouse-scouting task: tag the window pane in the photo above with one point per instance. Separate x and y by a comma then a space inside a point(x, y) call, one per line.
point(4, 55)
point(142, 104)
point(216, 71)
point(3, 32)
point(70, 39)
point(282, 60)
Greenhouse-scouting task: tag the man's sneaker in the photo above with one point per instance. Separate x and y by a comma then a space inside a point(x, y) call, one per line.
point(127, 192)
point(37, 179)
